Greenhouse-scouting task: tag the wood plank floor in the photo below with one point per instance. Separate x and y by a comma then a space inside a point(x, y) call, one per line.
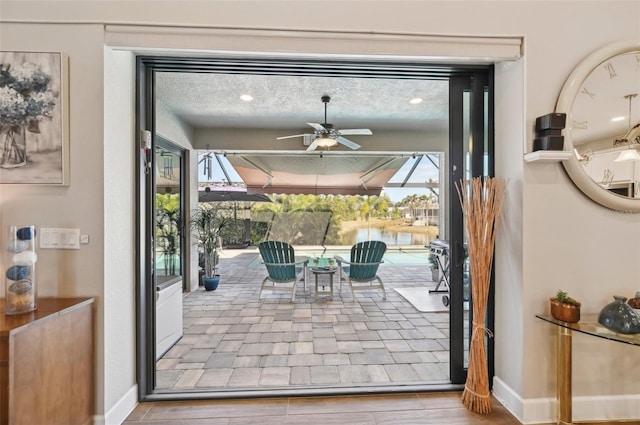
point(400, 409)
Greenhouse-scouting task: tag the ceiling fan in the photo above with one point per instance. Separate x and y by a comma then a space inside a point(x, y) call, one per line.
point(325, 135)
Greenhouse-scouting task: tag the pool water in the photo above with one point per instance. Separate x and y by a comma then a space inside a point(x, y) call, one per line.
point(391, 257)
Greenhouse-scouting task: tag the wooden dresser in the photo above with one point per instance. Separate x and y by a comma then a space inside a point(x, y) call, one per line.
point(47, 363)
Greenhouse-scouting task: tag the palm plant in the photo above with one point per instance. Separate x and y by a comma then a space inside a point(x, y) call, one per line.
point(207, 222)
point(168, 238)
point(168, 230)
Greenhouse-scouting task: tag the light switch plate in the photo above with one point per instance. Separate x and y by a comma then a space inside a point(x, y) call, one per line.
point(57, 238)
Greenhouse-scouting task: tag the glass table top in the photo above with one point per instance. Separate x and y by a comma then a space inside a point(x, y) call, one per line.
point(323, 270)
point(321, 262)
point(589, 325)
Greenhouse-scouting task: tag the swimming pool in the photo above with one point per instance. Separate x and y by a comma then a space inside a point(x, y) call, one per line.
point(393, 256)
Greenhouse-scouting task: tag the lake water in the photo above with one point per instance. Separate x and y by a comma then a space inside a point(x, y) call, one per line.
point(386, 236)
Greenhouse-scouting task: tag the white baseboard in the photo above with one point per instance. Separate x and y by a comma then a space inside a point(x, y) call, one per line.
point(609, 407)
point(508, 398)
point(119, 412)
point(585, 408)
point(535, 411)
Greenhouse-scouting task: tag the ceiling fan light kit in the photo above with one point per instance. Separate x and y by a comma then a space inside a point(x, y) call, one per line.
point(632, 136)
point(628, 155)
point(325, 141)
point(326, 136)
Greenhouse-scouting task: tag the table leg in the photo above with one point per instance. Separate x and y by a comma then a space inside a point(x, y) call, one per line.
point(564, 398)
point(305, 273)
point(316, 292)
point(331, 285)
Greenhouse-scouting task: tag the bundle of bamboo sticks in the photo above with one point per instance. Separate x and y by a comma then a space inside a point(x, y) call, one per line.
point(481, 200)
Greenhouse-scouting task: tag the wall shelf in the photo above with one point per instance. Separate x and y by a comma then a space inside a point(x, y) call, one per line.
point(547, 156)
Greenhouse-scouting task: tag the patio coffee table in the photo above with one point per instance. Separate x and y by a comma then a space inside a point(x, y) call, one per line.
point(330, 271)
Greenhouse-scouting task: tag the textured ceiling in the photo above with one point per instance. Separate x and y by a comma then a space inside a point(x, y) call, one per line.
point(289, 102)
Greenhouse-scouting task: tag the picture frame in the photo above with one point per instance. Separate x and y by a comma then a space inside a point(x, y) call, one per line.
point(34, 140)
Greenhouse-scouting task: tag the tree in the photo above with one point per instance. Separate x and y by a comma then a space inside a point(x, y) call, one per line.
point(411, 202)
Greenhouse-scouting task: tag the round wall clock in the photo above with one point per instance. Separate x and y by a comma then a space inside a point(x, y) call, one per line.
point(601, 98)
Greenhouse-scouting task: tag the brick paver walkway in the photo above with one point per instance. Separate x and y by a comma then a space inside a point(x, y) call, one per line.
point(233, 340)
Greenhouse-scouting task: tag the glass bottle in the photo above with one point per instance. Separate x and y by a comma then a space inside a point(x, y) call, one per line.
point(20, 272)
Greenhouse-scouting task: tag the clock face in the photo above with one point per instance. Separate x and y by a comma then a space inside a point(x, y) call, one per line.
point(607, 104)
point(601, 98)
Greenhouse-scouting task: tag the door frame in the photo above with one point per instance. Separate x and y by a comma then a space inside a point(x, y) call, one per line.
point(479, 86)
point(474, 79)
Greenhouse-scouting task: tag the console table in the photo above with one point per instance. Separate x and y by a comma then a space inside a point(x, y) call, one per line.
point(46, 363)
point(588, 325)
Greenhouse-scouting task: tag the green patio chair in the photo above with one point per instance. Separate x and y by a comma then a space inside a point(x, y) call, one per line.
point(282, 268)
point(362, 269)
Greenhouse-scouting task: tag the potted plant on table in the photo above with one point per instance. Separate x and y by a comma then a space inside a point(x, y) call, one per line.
point(207, 222)
point(565, 308)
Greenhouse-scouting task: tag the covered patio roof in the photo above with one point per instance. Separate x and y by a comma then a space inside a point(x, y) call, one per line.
point(319, 172)
point(227, 193)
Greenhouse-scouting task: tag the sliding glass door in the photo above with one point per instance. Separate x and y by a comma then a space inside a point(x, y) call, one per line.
point(471, 153)
point(169, 244)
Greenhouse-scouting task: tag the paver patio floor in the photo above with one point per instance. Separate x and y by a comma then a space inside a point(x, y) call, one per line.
point(233, 340)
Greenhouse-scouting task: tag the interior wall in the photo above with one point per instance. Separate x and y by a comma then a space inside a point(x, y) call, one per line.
point(119, 224)
point(564, 240)
point(509, 341)
point(69, 273)
point(172, 128)
point(564, 232)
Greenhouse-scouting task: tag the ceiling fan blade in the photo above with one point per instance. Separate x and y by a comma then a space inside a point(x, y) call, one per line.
point(356, 131)
point(290, 137)
point(313, 146)
point(348, 143)
point(317, 126)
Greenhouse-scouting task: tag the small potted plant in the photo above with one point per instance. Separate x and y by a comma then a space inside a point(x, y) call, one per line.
point(207, 222)
point(635, 302)
point(565, 308)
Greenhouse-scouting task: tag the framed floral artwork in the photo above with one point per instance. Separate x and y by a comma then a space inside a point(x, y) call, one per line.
point(34, 144)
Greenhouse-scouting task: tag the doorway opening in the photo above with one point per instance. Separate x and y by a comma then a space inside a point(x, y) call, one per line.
point(360, 351)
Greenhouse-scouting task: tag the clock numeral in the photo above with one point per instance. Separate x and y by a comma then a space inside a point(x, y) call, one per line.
point(579, 125)
point(637, 62)
point(587, 92)
point(611, 70)
point(619, 142)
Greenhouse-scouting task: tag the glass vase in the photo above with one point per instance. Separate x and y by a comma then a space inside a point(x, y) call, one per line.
point(20, 272)
point(14, 147)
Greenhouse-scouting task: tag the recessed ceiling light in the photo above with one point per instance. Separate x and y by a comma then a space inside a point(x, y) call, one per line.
point(616, 119)
point(415, 100)
point(246, 97)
